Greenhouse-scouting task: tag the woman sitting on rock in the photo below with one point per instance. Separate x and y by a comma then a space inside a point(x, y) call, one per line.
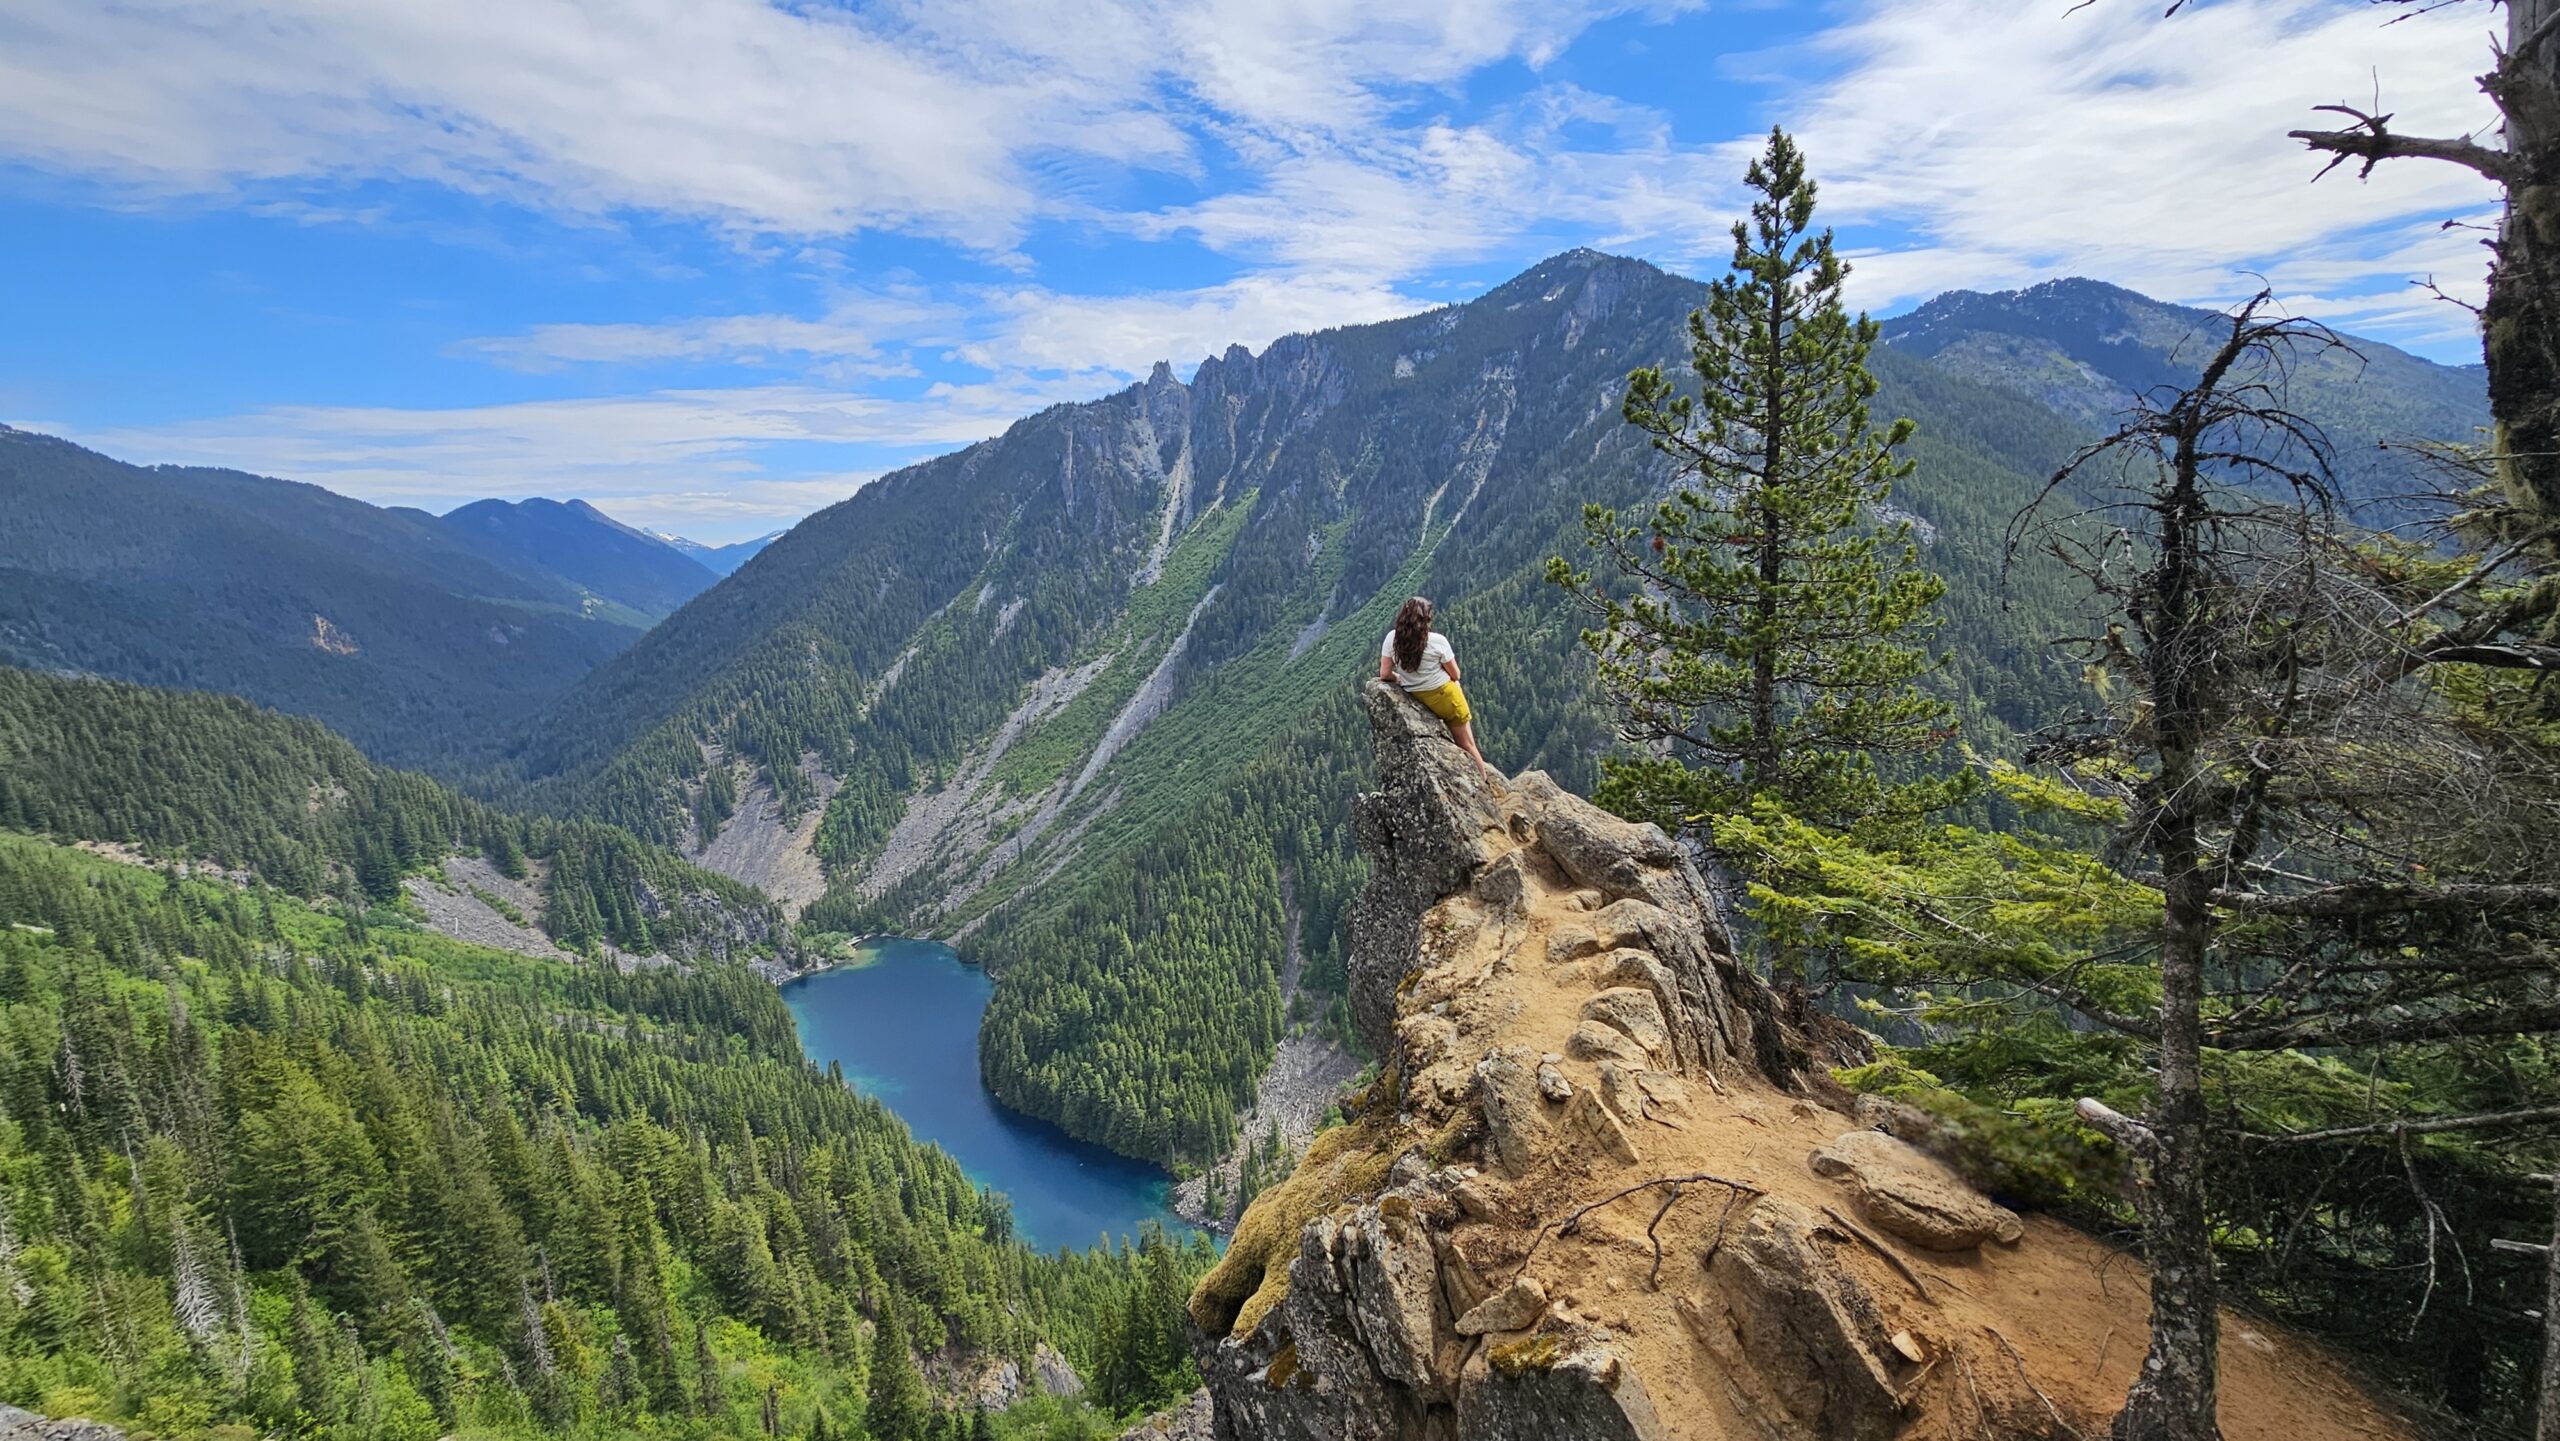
point(1422, 661)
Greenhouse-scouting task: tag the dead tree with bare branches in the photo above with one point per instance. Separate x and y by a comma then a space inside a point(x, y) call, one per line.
point(2353, 854)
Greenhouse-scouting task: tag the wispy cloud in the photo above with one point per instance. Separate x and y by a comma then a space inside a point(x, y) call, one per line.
point(2017, 139)
point(1125, 334)
point(866, 334)
point(756, 452)
point(991, 330)
point(794, 119)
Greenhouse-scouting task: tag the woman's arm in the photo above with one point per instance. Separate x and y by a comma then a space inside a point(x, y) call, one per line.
point(1386, 668)
point(1451, 666)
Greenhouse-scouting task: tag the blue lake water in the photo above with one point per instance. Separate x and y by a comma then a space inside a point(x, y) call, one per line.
point(904, 1025)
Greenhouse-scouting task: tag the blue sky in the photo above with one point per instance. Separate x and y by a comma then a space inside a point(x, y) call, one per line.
point(714, 263)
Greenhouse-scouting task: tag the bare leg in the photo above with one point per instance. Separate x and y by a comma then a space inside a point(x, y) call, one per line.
point(1465, 735)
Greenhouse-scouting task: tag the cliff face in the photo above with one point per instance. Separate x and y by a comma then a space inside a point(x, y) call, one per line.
point(1605, 1189)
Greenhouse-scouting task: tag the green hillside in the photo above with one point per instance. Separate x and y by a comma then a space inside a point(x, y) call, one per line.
point(265, 1174)
point(574, 541)
point(378, 622)
point(189, 778)
point(2085, 349)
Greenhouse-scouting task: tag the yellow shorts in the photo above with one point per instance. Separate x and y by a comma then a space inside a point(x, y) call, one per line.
point(1447, 702)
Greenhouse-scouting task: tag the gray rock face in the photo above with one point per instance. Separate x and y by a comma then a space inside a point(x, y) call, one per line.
point(1055, 1373)
point(1191, 1419)
point(1588, 1394)
point(22, 1425)
point(1424, 831)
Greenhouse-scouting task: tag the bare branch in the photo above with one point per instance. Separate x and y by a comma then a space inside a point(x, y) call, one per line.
point(2433, 1125)
point(2365, 898)
point(2329, 1032)
point(2116, 1126)
point(2370, 139)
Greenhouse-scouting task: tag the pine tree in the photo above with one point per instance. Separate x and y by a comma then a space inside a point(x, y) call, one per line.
point(711, 1389)
point(315, 1362)
point(1758, 632)
point(899, 1409)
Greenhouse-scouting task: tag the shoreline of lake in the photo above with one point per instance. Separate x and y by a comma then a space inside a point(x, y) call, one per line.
point(901, 1017)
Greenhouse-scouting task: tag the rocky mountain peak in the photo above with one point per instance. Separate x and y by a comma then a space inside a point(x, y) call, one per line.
point(1605, 1187)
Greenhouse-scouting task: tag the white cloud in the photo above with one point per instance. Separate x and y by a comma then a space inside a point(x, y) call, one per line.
point(1336, 66)
point(751, 115)
point(863, 334)
point(761, 117)
point(725, 451)
point(1125, 334)
point(1000, 330)
point(2024, 138)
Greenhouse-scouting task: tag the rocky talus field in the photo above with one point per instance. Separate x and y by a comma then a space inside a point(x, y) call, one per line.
point(1606, 1188)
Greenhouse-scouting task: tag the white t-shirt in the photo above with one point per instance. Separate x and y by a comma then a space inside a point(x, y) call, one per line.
point(1431, 676)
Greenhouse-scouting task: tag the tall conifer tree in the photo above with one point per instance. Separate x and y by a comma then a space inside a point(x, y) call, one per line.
point(1761, 630)
point(900, 1408)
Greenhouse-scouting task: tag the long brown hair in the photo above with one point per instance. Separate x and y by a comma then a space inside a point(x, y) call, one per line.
point(1413, 632)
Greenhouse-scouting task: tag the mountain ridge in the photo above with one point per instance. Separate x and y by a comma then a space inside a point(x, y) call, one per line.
point(576, 542)
point(378, 622)
point(2088, 349)
point(722, 559)
point(1102, 657)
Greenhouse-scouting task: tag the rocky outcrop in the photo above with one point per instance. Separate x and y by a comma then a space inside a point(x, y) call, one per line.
point(991, 1382)
point(765, 842)
point(1054, 1373)
point(1605, 1187)
point(1190, 1419)
point(22, 1425)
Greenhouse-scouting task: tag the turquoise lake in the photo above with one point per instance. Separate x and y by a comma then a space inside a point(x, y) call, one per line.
point(904, 1025)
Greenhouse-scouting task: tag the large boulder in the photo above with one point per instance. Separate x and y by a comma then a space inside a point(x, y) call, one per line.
point(1803, 1342)
point(1542, 1389)
point(1907, 1193)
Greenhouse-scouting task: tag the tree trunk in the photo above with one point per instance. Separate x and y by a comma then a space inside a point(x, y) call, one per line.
point(2549, 1410)
point(2174, 1397)
point(1772, 557)
point(2521, 323)
point(1787, 965)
